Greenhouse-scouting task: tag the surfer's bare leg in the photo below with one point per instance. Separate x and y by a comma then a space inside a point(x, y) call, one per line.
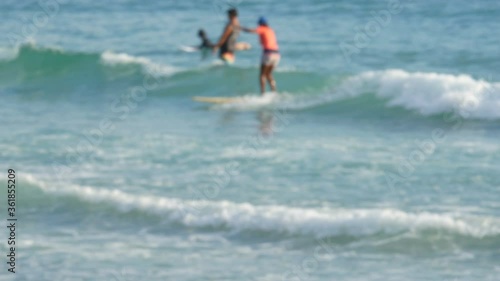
point(270, 78)
point(262, 79)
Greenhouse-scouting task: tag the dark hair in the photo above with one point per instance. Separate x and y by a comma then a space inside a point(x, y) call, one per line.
point(232, 12)
point(201, 33)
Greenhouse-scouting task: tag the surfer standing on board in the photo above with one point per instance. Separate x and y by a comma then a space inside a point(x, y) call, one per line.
point(227, 42)
point(270, 53)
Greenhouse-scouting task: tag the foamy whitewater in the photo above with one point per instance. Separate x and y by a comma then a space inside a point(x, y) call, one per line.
point(377, 159)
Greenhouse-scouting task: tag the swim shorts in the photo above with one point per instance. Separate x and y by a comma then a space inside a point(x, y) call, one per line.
point(270, 58)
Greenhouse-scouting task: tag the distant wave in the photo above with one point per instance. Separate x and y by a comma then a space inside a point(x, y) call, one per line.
point(30, 60)
point(281, 219)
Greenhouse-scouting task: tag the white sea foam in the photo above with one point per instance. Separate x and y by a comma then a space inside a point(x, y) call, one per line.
point(251, 102)
point(8, 53)
point(285, 68)
point(111, 58)
point(280, 219)
point(429, 93)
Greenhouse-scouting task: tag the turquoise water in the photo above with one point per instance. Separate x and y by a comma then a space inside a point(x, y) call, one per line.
point(378, 160)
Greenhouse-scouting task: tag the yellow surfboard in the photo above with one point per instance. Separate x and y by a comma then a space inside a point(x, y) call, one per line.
point(217, 100)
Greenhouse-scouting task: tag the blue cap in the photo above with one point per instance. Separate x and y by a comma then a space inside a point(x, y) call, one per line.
point(262, 21)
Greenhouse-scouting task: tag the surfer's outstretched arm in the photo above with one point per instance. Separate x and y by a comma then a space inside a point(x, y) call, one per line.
point(249, 30)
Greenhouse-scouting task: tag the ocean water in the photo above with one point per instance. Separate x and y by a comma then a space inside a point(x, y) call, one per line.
point(377, 160)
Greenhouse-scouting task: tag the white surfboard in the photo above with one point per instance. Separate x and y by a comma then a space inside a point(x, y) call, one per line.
point(189, 49)
point(240, 46)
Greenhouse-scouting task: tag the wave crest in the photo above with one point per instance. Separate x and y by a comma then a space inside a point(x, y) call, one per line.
point(30, 60)
point(429, 93)
point(281, 219)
